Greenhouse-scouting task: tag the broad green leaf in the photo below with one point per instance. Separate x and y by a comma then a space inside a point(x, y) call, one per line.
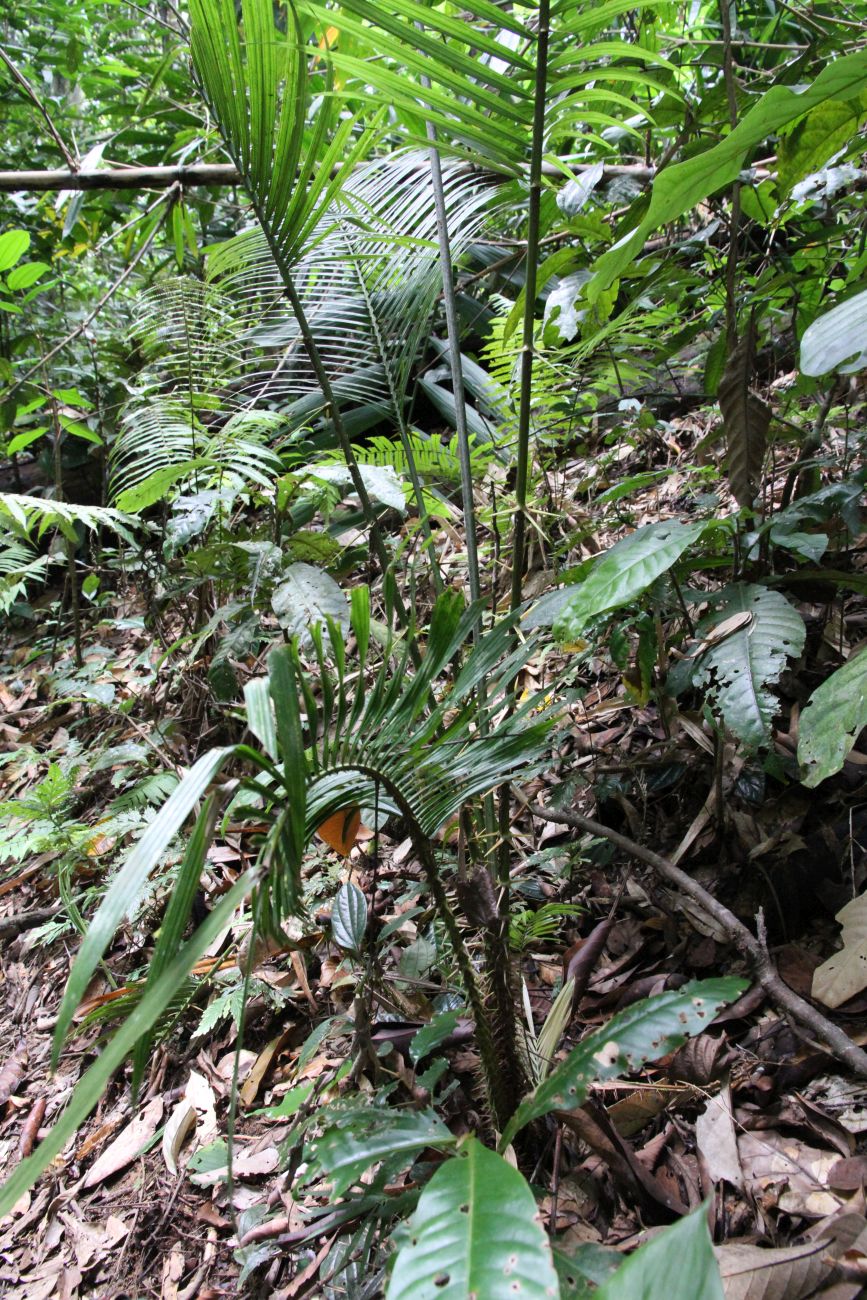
point(124, 893)
point(79, 430)
point(349, 917)
point(624, 573)
point(368, 1134)
point(381, 481)
point(432, 1034)
point(155, 487)
point(306, 596)
point(747, 642)
point(476, 1232)
point(678, 189)
point(260, 714)
point(13, 245)
point(679, 1264)
point(838, 339)
point(816, 139)
point(585, 1268)
point(643, 1032)
point(835, 715)
point(22, 277)
point(140, 1021)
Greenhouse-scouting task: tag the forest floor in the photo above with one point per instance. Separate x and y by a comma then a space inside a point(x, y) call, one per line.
point(141, 1203)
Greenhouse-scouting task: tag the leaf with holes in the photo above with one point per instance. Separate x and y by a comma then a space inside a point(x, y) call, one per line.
point(830, 724)
point(643, 1032)
point(746, 419)
point(738, 669)
point(307, 596)
point(349, 918)
point(624, 573)
point(476, 1232)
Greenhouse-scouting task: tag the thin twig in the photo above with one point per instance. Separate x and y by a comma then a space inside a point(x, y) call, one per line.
point(71, 161)
point(785, 999)
point(168, 199)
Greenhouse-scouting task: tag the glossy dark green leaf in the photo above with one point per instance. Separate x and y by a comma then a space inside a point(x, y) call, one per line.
point(349, 917)
point(476, 1232)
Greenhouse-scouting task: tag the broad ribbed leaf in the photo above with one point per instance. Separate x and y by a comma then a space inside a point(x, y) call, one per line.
point(349, 917)
point(643, 1032)
point(679, 1264)
point(830, 724)
point(746, 419)
point(745, 656)
point(306, 596)
point(624, 573)
point(476, 1232)
point(836, 340)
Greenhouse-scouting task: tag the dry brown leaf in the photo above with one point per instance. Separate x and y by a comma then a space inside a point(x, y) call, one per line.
point(793, 1175)
point(753, 1273)
point(845, 974)
point(12, 1073)
point(260, 1068)
point(127, 1145)
point(716, 1140)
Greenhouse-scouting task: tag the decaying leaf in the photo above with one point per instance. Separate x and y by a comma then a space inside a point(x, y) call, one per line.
point(746, 418)
point(754, 1273)
point(127, 1145)
point(12, 1073)
point(787, 1174)
point(845, 974)
point(340, 830)
point(716, 1140)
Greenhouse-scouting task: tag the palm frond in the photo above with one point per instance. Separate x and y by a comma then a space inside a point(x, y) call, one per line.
point(228, 353)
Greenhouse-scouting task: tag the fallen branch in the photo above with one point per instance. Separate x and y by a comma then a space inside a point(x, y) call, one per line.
point(199, 174)
point(12, 926)
point(754, 950)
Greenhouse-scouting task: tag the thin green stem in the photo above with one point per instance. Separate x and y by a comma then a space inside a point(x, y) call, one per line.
point(376, 538)
point(526, 370)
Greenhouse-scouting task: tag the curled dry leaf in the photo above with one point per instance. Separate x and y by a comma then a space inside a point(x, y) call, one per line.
point(180, 1124)
point(30, 1127)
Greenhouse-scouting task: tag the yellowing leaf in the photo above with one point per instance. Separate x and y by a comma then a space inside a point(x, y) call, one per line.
point(340, 830)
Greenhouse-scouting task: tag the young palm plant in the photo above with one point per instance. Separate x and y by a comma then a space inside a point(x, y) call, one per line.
point(407, 742)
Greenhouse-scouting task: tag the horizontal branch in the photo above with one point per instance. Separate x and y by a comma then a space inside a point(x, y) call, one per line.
point(121, 178)
point(144, 178)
